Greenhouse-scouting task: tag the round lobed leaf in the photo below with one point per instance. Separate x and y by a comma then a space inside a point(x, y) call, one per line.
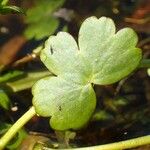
point(103, 57)
point(111, 56)
point(70, 105)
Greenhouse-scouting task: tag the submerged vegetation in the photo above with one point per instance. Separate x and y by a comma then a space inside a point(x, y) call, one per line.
point(94, 89)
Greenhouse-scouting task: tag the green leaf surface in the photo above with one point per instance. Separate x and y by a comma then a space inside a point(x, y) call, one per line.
point(102, 57)
point(41, 29)
point(64, 101)
point(42, 23)
point(61, 56)
point(4, 100)
point(111, 56)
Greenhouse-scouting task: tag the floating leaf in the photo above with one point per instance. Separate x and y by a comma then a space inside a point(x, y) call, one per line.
point(103, 57)
point(42, 23)
point(111, 56)
point(60, 99)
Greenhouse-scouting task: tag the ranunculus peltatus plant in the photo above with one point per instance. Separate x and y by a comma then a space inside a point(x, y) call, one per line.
point(102, 56)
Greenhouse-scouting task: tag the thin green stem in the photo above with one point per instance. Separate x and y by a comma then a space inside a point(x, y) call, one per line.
point(132, 143)
point(16, 127)
point(122, 145)
point(145, 63)
point(113, 146)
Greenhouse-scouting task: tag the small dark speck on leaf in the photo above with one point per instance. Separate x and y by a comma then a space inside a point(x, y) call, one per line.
point(60, 108)
point(51, 49)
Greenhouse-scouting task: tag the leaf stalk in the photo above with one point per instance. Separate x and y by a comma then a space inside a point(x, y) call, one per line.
point(16, 127)
point(127, 144)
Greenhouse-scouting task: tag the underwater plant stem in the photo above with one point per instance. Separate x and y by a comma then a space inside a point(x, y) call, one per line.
point(16, 127)
point(145, 63)
point(127, 144)
point(132, 143)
